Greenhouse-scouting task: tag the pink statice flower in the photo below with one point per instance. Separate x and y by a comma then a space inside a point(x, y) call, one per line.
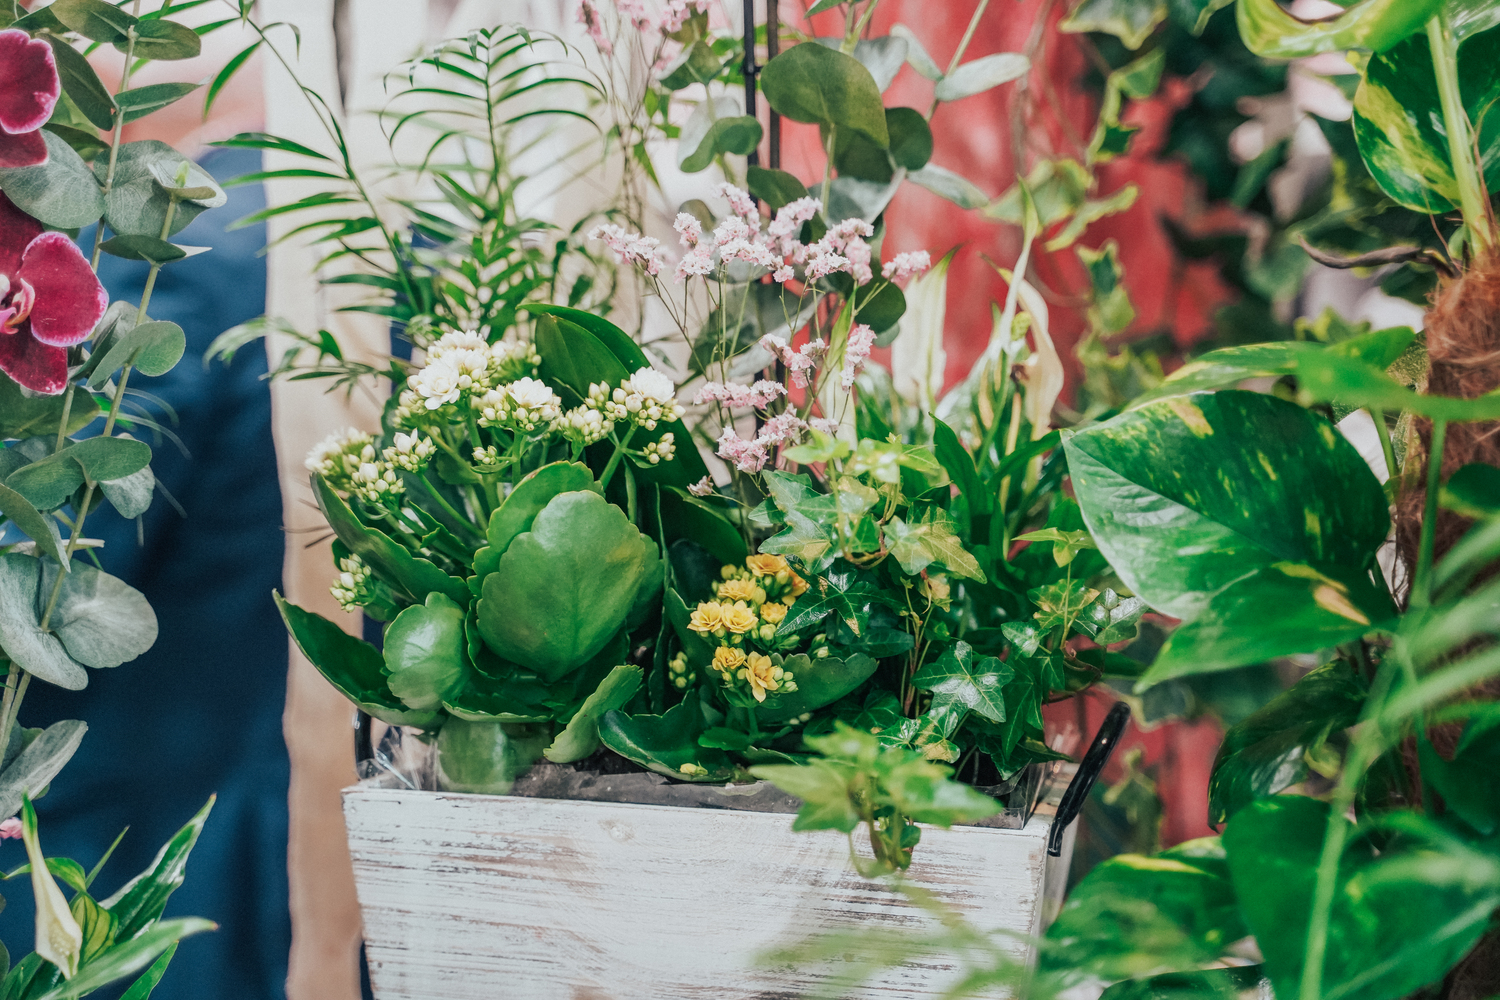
point(747, 456)
point(634, 11)
point(823, 261)
point(783, 274)
point(689, 229)
point(824, 425)
point(799, 363)
point(731, 229)
point(29, 88)
point(788, 222)
point(856, 353)
point(593, 22)
point(633, 247)
point(702, 488)
point(10, 829)
point(697, 261)
point(676, 12)
point(782, 428)
point(49, 301)
point(751, 252)
point(757, 396)
point(904, 265)
point(740, 203)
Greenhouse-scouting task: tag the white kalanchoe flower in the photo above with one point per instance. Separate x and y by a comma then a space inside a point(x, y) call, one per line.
point(375, 482)
point(654, 385)
point(438, 383)
point(411, 452)
point(526, 405)
point(511, 360)
point(584, 425)
point(457, 340)
point(410, 409)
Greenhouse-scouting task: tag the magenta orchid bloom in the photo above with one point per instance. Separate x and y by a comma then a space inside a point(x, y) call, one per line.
point(49, 301)
point(29, 88)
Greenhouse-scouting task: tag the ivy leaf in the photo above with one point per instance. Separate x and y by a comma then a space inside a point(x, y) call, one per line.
point(803, 539)
point(960, 677)
point(1025, 636)
point(823, 787)
point(1111, 618)
point(1131, 21)
point(929, 539)
point(842, 593)
point(1060, 603)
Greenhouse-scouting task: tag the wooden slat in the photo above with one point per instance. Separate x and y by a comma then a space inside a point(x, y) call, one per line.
point(496, 897)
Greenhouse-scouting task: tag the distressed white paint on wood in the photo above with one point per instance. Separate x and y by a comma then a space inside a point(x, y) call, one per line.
point(505, 898)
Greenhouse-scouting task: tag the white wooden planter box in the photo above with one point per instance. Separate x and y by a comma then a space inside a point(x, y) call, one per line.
point(510, 898)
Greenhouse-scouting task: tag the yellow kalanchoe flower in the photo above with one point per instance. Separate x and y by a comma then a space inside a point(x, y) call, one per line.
point(738, 617)
point(773, 612)
point(765, 565)
point(741, 590)
point(762, 674)
point(708, 617)
point(798, 586)
point(728, 659)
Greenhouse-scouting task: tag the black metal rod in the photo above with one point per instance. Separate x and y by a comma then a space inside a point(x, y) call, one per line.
point(773, 49)
point(750, 71)
point(364, 745)
point(1089, 770)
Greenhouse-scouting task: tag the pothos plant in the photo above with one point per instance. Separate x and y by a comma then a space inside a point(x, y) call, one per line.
point(1359, 849)
point(67, 355)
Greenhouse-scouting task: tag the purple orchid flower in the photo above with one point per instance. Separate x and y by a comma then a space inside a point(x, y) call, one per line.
point(29, 88)
point(49, 301)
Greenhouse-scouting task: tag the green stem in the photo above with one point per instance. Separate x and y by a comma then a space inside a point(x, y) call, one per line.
point(1421, 591)
point(12, 679)
point(631, 501)
point(828, 167)
point(1386, 447)
point(114, 146)
point(1471, 196)
point(445, 506)
point(62, 432)
point(963, 44)
point(614, 460)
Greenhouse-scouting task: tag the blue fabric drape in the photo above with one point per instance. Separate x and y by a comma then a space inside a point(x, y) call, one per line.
point(201, 712)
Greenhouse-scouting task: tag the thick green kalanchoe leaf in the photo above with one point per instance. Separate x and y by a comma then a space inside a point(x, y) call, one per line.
point(666, 744)
point(486, 757)
point(424, 653)
point(565, 587)
point(820, 681)
point(522, 506)
point(411, 576)
point(581, 737)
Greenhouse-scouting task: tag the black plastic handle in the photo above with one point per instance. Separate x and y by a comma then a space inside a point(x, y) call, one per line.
point(364, 745)
point(1088, 773)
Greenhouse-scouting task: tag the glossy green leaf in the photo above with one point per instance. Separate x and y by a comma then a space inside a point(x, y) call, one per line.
point(141, 989)
point(581, 737)
point(1398, 120)
point(1267, 753)
point(522, 506)
point(715, 128)
point(511, 700)
point(30, 416)
point(1221, 506)
point(1111, 618)
point(1269, 30)
point(1131, 21)
point(1231, 365)
point(820, 681)
point(21, 636)
point(1470, 17)
point(667, 743)
point(1328, 377)
point(61, 192)
point(1466, 782)
point(1194, 14)
point(818, 85)
point(931, 538)
point(393, 563)
point(34, 767)
point(101, 620)
point(1214, 984)
point(97, 924)
point(960, 677)
point(684, 516)
point(164, 40)
point(1136, 916)
point(776, 188)
point(1401, 917)
point(129, 957)
point(141, 901)
point(486, 757)
point(424, 653)
point(978, 75)
point(564, 588)
point(351, 665)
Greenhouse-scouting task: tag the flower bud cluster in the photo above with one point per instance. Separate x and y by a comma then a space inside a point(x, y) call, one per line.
point(661, 450)
point(459, 365)
point(644, 399)
point(526, 406)
point(411, 452)
point(681, 672)
point(340, 455)
point(376, 483)
point(351, 589)
point(584, 425)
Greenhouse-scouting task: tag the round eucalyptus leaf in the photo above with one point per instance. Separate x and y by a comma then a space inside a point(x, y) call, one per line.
point(486, 757)
point(713, 129)
point(61, 193)
point(154, 348)
point(131, 495)
point(979, 75)
point(911, 137)
point(34, 767)
point(147, 248)
point(820, 86)
point(565, 587)
point(37, 652)
point(82, 84)
point(946, 184)
point(696, 64)
point(142, 101)
point(41, 530)
point(23, 416)
point(49, 483)
point(883, 57)
point(138, 202)
point(424, 653)
point(774, 187)
point(101, 620)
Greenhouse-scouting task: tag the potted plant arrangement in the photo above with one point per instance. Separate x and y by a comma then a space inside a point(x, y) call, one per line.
point(70, 441)
point(868, 609)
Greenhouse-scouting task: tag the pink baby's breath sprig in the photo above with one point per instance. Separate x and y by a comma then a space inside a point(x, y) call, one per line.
point(904, 265)
point(856, 353)
point(741, 204)
point(757, 396)
point(825, 425)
